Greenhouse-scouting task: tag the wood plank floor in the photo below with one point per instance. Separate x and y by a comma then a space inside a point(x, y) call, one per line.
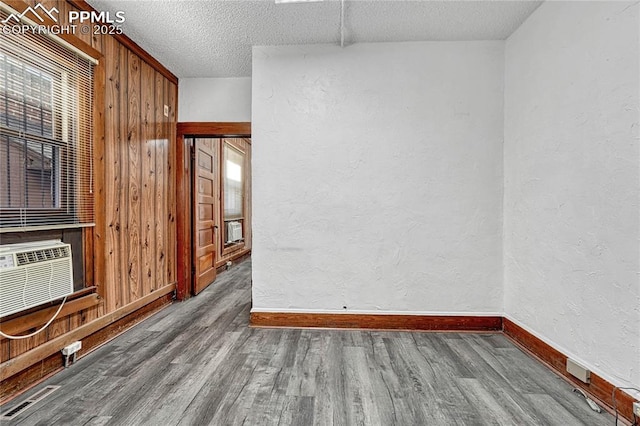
point(198, 363)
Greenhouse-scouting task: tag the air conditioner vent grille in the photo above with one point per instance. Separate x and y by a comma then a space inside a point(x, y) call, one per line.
point(42, 255)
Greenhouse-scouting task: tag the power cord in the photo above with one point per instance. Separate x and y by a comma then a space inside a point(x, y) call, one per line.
point(615, 408)
point(24, 295)
point(8, 336)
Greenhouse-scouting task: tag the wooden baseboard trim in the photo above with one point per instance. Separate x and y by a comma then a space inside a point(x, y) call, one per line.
point(557, 361)
point(53, 363)
point(21, 362)
point(236, 258)
point(25, 371)
point(377, 321)
point(599, 388)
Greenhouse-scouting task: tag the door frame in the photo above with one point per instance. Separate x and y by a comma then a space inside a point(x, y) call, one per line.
point(186, 131)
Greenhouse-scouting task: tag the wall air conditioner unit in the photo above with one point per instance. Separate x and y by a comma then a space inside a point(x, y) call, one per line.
point(234, 232)
point(34, 273)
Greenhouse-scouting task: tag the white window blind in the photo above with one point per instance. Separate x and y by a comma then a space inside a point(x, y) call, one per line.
point(233, 185)
point(46, 168)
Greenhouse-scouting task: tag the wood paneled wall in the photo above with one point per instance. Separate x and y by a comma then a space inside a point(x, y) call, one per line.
point(139, 190)
point(134, 240)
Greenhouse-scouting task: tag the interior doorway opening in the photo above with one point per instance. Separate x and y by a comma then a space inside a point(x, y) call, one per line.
point(214, 201)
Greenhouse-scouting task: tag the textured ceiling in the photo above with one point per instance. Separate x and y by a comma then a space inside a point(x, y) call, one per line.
point(214, 38)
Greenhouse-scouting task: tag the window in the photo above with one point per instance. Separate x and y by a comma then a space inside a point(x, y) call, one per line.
point(233, 190)
point(30, 175)
point(45, 134)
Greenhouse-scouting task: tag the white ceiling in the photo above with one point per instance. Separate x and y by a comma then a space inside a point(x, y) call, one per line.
point(214, 38)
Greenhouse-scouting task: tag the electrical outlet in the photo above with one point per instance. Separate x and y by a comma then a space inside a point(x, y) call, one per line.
point(636, 409)
point(578, 370)
point(72, 348)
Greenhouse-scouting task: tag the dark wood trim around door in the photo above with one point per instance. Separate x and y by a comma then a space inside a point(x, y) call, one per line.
point(205, 129)
point(184, 191)
point(183, 217)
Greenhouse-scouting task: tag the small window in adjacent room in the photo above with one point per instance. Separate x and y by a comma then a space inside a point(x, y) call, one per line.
point(233, 190)
point(45, 134)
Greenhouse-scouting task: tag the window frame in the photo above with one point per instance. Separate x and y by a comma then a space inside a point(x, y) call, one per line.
point(64, 122)
point(230, 247)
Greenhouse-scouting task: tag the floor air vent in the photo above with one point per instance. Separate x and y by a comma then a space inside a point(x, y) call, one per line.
point(22, 407)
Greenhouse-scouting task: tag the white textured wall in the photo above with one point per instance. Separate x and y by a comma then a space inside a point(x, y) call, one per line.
point(572, 273)
point(214, 99)
point(377, 175)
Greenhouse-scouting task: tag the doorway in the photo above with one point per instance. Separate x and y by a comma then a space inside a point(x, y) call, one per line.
point(214, 201)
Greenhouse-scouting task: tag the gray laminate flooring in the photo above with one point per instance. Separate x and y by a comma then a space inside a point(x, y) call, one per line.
point(198, 363)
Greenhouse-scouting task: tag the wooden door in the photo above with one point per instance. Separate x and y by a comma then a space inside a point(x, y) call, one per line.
point(204, 217)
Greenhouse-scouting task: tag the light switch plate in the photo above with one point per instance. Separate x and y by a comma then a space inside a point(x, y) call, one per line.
point(166, 110)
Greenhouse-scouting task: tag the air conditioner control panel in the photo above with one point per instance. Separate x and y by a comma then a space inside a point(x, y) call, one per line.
point(7, 261)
